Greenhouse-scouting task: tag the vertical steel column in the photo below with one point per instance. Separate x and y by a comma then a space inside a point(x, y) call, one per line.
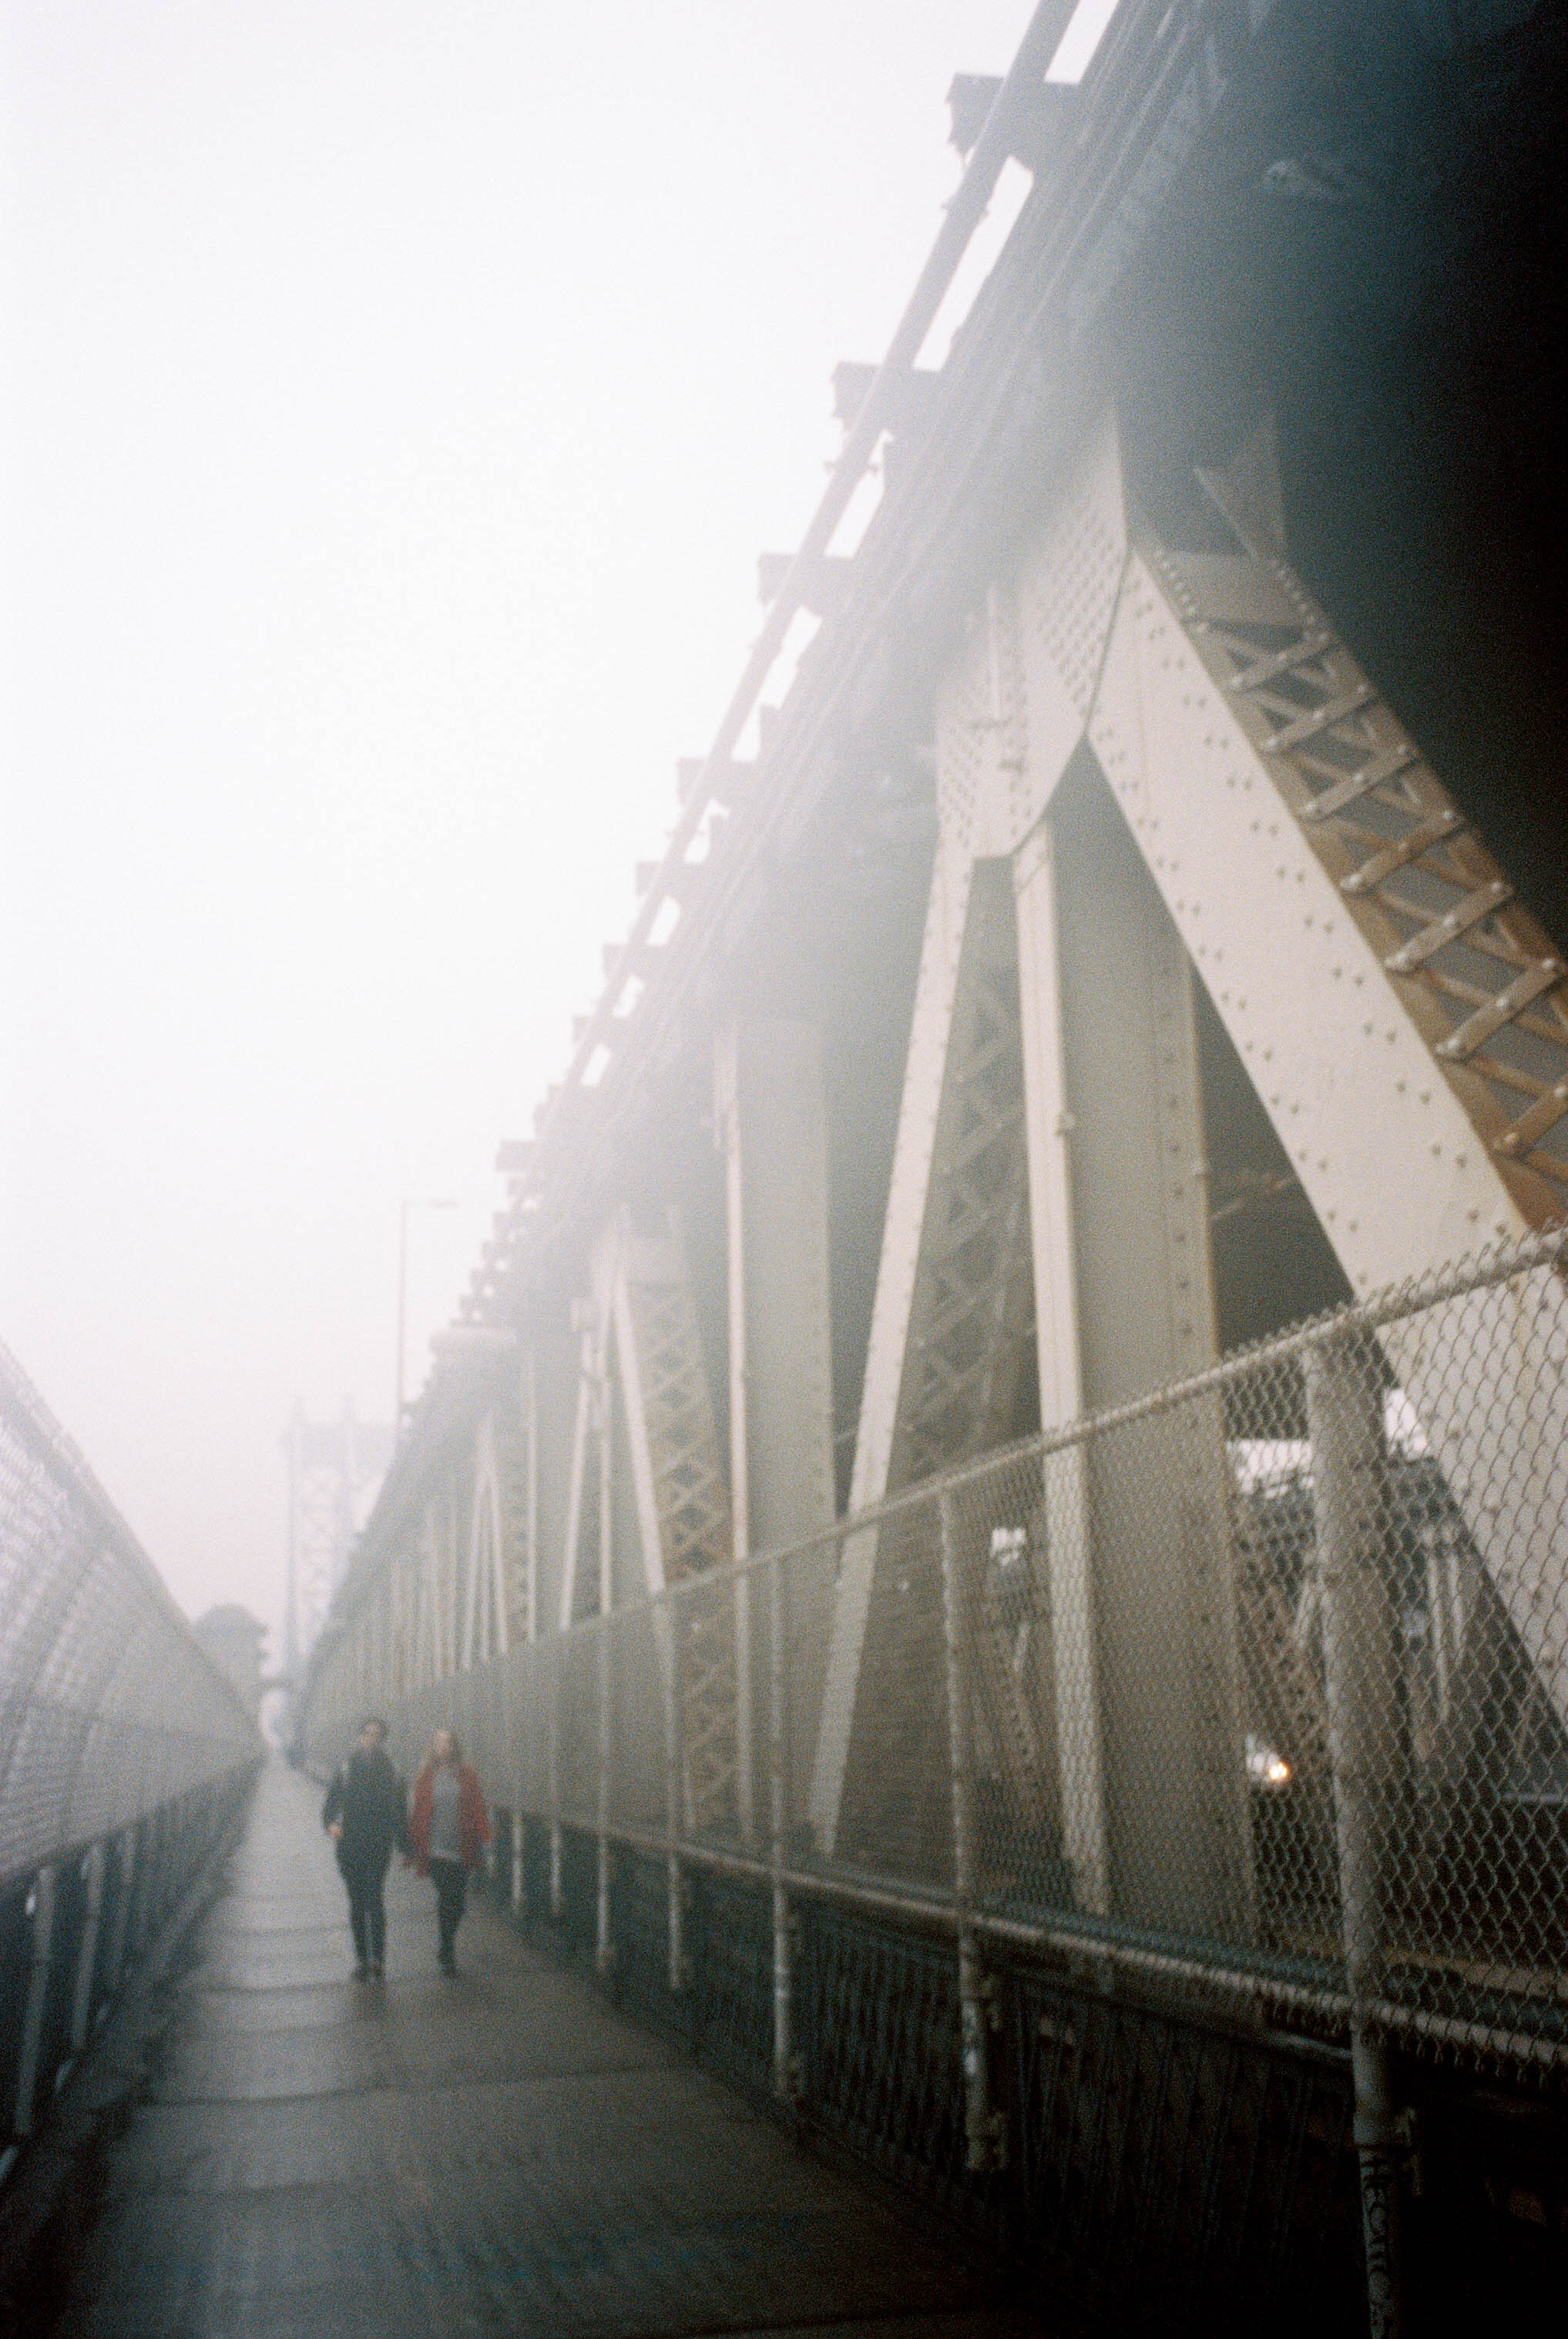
point(604, 1948)
point(727, 1076)
point(532, 1496)
point(1345, 1421)
point(37, 1999)
point(125, 1857)
point(981, 2124)
point(670, 1616)
point(518, 1841)
point(144, 1870)
point(557, 1897)
point(772, 1121)
point(786, 2077)
point(1158, 1612)
point(87, 1956)
point(1066, 1501)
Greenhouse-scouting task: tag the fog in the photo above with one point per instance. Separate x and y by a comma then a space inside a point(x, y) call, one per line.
point(396, 399)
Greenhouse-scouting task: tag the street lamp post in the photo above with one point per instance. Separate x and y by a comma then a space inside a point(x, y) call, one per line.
point(409, 1202)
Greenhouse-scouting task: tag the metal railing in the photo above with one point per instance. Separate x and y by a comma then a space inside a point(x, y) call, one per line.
point(124, 1755)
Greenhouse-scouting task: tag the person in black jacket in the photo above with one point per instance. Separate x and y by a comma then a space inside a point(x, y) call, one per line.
point(366, 1813)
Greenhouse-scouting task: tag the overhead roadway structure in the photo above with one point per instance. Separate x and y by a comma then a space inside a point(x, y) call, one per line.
point(1096, 958)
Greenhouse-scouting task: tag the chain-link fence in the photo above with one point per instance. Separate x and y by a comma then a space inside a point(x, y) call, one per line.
point(1259, 1686)
point(1046, 1832)
point(108, 1708)
point(125, 1757)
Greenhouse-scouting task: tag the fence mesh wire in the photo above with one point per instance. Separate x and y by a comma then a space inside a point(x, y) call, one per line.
point(108, 1708)
point(1262, 1681)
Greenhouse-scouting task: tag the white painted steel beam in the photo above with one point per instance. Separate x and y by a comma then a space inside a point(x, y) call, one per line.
point(938, 1363)
point(1075, 1683)
point(1273, 832)
point(681, 1503)
point(935, 993)
point(1163, 1643)
point(773, 1130)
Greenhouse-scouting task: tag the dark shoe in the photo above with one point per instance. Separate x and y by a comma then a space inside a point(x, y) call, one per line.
point(362, 1972)
point(449, 1963)
point(377, 1970)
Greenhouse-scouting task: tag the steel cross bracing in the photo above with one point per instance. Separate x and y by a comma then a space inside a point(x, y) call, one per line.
point(969, 1304)
point(950, 1321)
point(684, 1502)
point(1321, 881)
point(641, 1351)
point(970, 1313)
point(488, 1606)
point(1474, 970)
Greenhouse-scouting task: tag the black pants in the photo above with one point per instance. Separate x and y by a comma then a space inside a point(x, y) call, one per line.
point(366, 1879)
point(450, 1878)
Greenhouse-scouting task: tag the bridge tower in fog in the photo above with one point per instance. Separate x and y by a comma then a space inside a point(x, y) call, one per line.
point(335, 1470)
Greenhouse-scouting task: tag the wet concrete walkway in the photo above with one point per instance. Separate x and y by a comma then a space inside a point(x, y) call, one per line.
point(501, 2153)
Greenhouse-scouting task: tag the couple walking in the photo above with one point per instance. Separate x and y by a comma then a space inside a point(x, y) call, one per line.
point(442, 1831)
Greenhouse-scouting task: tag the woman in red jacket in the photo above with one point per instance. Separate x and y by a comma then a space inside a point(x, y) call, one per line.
point(448, 1827)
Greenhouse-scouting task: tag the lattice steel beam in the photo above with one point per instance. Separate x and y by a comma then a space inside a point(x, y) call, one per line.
point(950, 1319)
point(1403, 1019)
point(683, 1504)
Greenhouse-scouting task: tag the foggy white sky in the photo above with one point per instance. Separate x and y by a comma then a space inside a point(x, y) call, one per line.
point(397, 396)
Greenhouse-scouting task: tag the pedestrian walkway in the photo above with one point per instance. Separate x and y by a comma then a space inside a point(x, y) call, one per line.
point(497, 2153)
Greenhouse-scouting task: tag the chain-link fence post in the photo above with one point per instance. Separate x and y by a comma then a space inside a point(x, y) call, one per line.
point(786, 2078)
point(981, 2126)
point(521, 1678)
point(42, 1948)
point(604, 1949)
point(602, 1800)
point(1345, 1421)
point(745, 1714)
point(125, 1896)
point(87, 1959)
point(557, 1885)
point(669, 1616)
